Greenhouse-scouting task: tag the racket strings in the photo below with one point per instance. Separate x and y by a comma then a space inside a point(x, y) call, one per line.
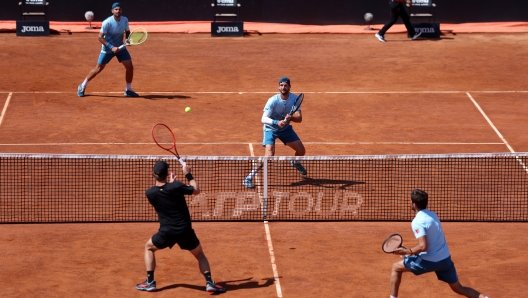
point(163, 137)
point(392, 243)
point(137, 37)
point(297, 103)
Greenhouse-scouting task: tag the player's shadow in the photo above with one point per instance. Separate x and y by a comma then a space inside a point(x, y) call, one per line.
point(229, 285)
point(249, 32)
point(160, 96)
point(326, 183)
point(149, 97)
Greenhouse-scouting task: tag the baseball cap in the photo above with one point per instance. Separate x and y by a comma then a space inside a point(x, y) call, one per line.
point(284, 79)
point(161, 168)
point(116, 5)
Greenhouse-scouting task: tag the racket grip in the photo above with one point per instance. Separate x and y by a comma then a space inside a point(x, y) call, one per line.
point(122, 46)
point(182, 162)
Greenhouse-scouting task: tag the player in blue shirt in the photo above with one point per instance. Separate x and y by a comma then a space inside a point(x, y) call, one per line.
point(431, 254)
point(277, 125)
point(111, 36)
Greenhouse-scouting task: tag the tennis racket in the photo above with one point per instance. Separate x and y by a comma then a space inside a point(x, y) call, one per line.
point(392, 243)
point(138, 36)
point(296, 104)
point(164, 138)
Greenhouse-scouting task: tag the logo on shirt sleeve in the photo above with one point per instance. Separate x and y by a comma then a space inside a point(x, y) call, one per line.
point(417, 231)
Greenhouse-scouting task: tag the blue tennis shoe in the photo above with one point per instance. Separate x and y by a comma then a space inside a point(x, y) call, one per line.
point(130, 93)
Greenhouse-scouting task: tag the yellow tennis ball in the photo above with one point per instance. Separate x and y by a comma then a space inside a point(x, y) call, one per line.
point(187, 109)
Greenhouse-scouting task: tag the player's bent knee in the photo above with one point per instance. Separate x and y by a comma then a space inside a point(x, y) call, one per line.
point(398, 266)
point(150, 246)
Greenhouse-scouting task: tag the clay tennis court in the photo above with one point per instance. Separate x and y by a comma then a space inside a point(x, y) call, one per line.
point(464, 93)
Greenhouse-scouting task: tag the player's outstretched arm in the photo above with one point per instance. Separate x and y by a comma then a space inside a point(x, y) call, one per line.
point(187, 171)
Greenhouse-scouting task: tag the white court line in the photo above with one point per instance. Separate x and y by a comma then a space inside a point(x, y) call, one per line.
point(272, 256)
point(496, 131)
point(490, 123)
point(5, 107)
point(272, 92)
point(270, 246)
point(251, 144)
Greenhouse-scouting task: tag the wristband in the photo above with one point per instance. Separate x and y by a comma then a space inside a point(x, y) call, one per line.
point(109, 45)
point(275, 122)
point(189, 176)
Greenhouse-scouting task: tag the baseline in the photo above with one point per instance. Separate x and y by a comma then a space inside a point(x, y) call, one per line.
point(273, 92)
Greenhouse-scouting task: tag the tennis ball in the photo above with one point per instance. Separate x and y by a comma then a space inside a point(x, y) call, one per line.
point(187, 109)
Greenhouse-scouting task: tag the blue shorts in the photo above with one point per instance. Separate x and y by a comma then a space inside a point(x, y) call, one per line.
point(444, 269)
point(286, 136)
point(122, 55)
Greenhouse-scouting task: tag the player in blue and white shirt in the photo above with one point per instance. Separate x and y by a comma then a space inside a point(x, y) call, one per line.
point(277, 126)
point(113, 29)
point(431, 254)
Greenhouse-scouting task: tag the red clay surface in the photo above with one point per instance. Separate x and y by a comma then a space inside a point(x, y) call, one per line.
point(362, 97)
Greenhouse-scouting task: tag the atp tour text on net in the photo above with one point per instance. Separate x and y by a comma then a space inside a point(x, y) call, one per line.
point(298, 203)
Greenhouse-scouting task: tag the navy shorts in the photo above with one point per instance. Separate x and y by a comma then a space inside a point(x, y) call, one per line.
point(122, 55)
point(444, 269)
point(286, 135)
point(186, 240)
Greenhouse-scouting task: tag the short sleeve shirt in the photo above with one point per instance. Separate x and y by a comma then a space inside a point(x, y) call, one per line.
point(426, 223)
point(277, 109)
point(170, 205)
point(113, 32)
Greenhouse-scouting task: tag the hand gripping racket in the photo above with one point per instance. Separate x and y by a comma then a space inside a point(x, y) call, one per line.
point(164, 138)
point(136, 37)
point(296, 104)
point(392, 243)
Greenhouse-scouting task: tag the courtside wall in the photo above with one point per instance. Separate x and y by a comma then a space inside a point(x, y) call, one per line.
point(316, 12)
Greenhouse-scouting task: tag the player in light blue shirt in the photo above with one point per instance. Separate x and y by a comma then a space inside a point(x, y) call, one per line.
point(111, 36)
point(277, 126)
point(431, 254)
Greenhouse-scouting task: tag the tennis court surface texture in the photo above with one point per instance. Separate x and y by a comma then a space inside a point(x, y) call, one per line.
point(465, 93)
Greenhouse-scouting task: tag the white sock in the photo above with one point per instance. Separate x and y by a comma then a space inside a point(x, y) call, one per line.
point(129, 86)
point(393, 296)
point(84, 83)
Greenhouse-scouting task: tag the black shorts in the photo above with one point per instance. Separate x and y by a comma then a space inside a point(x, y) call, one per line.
point(186, 240)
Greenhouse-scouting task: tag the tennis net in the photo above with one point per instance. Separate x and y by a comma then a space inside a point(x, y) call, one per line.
point(48, 188)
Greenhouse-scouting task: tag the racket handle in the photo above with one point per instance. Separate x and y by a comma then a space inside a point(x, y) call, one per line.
point(122, 46)
point(182, 162)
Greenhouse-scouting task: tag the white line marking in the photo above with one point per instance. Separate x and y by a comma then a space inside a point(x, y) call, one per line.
point(270, 244)
point(490, 123)
point(272, 256)
point(267, 92)
point(251, 144)
point(5, 107)
point(497, 131)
